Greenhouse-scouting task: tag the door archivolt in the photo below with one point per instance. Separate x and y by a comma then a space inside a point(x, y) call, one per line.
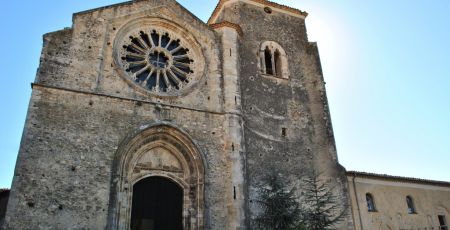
point(158, 151)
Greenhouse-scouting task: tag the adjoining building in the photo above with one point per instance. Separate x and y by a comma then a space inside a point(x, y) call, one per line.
point(391, 202)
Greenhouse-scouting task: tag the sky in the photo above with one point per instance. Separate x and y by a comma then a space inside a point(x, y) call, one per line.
point(386, 64)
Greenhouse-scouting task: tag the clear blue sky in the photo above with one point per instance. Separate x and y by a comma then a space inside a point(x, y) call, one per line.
point(386, 64)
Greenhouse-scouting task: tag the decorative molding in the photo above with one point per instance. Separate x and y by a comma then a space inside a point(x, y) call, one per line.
point(149, 144)
point(227, 24)
point(33, 85)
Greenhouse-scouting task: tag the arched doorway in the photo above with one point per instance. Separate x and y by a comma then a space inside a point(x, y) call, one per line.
point(157, 205)
point(157, 155)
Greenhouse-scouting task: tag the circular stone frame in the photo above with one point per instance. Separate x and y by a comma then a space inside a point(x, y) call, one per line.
point(161, 26)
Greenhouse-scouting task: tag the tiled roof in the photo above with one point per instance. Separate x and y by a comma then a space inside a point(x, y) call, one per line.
point(264, 2)
point(397, 178)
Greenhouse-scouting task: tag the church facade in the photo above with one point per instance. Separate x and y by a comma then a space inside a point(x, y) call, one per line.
point(144, 117)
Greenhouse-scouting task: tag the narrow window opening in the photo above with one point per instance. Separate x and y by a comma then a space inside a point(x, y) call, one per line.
point(277, 58)
point(283, 132)
point(442, 222)
point(370, 203)
point(410, 203)
point(234, 192)
point(268, 61)
point(230, 52)
point(232, 146)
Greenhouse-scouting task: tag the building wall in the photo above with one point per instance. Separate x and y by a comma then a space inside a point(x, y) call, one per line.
point(390, 203)
point(83, 112)
point(270, 104)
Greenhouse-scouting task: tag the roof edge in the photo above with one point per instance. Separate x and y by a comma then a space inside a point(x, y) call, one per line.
point(130, 2)
point(221, 3)
point(105, 7)
point(227, 24)
point(397, 178)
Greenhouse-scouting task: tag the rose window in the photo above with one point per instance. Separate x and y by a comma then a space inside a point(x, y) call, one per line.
point(157, 60)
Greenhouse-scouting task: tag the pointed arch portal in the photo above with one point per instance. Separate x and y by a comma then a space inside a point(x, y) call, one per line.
point(157, 181)
point(157, 204)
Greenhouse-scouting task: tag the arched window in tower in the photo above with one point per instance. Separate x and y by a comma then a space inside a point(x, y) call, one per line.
point(410, 203)
point(273, 60)
point(268, 61)
point(370, 203)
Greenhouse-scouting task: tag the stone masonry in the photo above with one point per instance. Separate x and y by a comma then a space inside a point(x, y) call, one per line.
point(213, 119)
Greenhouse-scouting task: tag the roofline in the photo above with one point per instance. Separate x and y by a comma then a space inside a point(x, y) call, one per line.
point(397, 178)
point(105, 7)
point(229, 25)
point(129, 3)
point(281, 7)
point(132, 2)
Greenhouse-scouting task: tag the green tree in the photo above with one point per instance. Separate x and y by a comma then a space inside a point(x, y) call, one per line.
point(279, 208)
point(320, 208)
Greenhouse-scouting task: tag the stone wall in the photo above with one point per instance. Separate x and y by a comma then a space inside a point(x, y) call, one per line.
point(81, 109)
point(239, 122)
point(287, 127)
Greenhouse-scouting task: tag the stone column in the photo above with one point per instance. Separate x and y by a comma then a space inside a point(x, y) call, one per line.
point(232, 106)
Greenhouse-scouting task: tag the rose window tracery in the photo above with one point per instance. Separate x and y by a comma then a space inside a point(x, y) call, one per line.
point(157, 60)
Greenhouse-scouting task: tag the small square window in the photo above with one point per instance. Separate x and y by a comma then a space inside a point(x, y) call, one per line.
point(283, 132)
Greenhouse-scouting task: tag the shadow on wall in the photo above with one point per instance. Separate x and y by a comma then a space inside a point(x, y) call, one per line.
point(4, 195)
